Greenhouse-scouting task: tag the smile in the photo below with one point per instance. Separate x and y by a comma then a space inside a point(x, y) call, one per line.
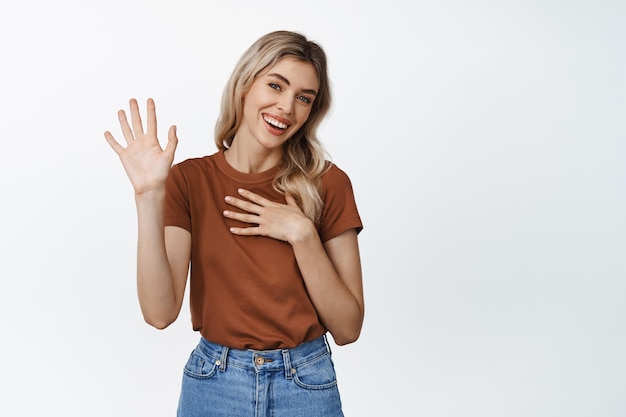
point(275, 123)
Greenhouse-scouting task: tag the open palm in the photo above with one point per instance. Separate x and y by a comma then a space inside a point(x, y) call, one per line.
point(146, 163)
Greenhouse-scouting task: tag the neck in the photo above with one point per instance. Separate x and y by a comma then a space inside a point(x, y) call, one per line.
point(252, 161)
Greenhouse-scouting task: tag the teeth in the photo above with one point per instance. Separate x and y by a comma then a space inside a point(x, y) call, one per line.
point(275, 122)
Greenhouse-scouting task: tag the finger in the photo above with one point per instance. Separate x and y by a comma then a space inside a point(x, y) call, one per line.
point(152, 121)
point(135, 118)
point(113, 143)
point(243, 205)
point(246, 231)
point(172, 141)
point(242, 217)
point(290, 200)
point(126, 130)
point(261, 201)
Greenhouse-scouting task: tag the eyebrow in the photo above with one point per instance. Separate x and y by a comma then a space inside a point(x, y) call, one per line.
point(286, 81)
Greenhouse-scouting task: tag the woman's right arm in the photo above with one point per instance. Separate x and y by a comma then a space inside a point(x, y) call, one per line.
point(163, 253)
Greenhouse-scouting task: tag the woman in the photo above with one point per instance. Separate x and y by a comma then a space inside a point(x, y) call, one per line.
point(270, 230)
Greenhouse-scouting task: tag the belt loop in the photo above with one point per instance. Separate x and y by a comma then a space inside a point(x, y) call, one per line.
point(287, 363)
point(223, 358)
point(327, 344)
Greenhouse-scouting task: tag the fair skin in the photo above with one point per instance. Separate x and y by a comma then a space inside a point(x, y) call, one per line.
point(277, 104)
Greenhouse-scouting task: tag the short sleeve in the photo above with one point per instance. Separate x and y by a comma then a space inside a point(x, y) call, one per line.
point(340, 212)
point(177, 208)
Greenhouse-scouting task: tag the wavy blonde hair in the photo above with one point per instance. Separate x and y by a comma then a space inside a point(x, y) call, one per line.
point(304, 158)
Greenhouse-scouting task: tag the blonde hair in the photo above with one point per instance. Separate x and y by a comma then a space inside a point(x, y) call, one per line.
point(303, 155)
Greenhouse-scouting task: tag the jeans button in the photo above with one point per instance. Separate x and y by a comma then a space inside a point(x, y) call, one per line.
point(259, 360)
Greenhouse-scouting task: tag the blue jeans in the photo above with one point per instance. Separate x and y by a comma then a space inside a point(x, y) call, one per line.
point(298, 382)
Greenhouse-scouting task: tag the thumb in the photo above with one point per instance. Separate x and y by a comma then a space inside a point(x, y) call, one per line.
point(291, 201)
point(172, 140)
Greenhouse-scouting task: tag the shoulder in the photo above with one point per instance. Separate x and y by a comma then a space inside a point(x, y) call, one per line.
point(340, 212)
point(192, 167)
point(335, 177)
point(194, 163)
point(189, 173)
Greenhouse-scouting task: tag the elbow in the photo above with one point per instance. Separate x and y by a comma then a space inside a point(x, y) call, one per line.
point(349, 333)
point(159, 323)
point(346, 338)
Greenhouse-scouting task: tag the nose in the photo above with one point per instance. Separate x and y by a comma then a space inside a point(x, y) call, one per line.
point(286, 104)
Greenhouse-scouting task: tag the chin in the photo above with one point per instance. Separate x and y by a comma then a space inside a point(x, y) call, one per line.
point(272, 143)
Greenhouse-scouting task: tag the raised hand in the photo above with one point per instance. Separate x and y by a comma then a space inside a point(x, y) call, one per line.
point(268, 218)
point(145, 162)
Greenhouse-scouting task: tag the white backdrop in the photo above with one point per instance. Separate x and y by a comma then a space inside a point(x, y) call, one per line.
point(486, 145)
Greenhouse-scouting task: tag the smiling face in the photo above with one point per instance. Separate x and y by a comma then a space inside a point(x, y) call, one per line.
point(277, 104)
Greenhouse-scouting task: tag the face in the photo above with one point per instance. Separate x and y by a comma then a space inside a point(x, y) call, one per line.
point(278, 104)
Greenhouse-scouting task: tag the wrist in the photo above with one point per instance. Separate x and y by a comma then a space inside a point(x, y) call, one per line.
point(151, 195)
point(304, 233)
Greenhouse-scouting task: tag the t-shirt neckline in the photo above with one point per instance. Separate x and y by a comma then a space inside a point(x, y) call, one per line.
point(254, 178)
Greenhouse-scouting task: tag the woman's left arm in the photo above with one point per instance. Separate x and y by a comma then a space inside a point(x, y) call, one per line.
point(331, 271)
point(332, 275)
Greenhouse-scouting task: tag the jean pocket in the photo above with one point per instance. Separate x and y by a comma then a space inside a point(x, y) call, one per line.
point(317, 374)
point(200, 367)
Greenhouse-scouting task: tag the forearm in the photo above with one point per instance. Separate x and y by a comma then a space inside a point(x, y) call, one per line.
point(155, 286)
point(339, 308)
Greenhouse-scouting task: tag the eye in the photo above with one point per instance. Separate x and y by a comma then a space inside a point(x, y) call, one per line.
point(304, 99)
point(274, 86)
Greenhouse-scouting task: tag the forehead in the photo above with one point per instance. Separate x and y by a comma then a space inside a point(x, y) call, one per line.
point(300, 74)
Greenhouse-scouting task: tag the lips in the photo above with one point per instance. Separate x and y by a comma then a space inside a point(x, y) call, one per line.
point(276, 121)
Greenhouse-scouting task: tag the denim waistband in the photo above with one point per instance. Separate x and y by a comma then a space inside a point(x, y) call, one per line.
point(266, 360)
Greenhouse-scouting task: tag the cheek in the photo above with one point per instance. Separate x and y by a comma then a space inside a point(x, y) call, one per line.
point(303, 113)
point(303, 116)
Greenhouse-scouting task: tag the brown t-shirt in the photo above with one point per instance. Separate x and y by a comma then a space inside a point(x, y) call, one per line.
point(247, 291)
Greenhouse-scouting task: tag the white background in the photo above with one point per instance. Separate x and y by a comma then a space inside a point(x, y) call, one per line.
point(486, 142)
